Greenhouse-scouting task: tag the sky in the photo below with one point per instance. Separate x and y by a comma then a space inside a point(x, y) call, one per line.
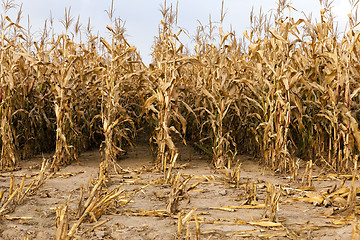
point(142, 17)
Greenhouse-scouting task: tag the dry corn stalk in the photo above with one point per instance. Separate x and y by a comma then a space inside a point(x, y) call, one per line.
point(62, 221)
point(233, 174)
point(351, 199)
point(164, 102)
point(100, 201)
point(8, 84)
point(355, 231)
point(178, 192)
point(63, 84)
point(121, 71)
point(272, 202)
point(307, 176)
point(17, 193)
point(182, 220)
point(216, 90)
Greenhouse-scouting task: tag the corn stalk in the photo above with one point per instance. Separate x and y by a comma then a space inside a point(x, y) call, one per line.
point(117, 124)
point(164, 81)
point(8, 84)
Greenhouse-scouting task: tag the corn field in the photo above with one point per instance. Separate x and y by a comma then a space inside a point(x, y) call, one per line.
point(286, 91)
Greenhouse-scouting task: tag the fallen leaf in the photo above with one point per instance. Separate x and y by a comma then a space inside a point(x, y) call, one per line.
point(265, 224)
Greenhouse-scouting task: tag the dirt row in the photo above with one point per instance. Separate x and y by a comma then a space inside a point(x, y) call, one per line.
point(212, 207)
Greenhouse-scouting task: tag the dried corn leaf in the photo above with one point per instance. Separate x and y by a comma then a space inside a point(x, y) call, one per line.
point(265, 224)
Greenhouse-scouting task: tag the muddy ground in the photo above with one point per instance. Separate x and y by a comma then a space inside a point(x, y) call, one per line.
point(222, 209)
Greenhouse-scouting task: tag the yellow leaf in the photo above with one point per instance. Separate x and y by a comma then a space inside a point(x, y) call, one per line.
point(265, 224)
point(277, 36)
point(224, 209)
point(339, 222)
point(269, 235)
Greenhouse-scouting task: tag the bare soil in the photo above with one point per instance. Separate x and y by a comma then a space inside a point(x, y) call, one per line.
point(212, 199)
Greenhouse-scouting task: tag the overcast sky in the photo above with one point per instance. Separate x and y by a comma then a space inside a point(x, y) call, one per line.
point(142, 16)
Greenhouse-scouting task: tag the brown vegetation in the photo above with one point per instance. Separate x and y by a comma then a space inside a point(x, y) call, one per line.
point(286, 92)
